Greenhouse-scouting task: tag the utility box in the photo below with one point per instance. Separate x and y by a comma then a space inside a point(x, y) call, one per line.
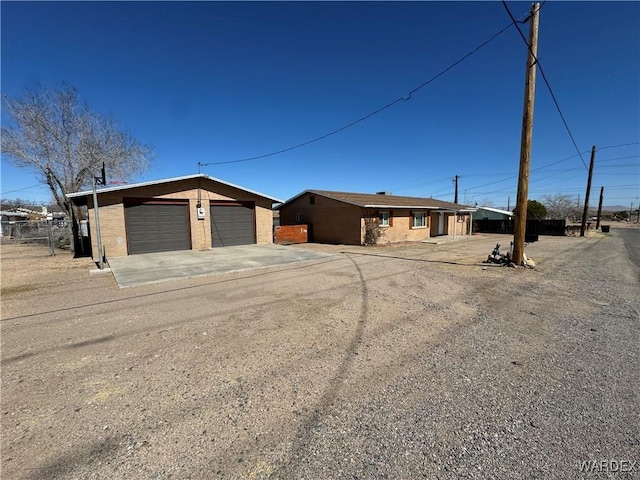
point(201, 213)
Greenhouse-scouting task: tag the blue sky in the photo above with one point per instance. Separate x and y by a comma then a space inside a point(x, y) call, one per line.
point(217, 82)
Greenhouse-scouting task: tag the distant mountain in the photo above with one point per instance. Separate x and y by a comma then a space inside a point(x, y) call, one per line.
point(616, 208)
point(594, 208)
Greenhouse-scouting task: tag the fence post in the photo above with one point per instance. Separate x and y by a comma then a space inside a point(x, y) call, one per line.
point(50, 238)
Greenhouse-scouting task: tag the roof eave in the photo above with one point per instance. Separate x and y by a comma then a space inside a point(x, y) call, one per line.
point(86, 193)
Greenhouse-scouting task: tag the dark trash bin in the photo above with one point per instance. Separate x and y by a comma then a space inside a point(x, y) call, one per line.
point(604, 228)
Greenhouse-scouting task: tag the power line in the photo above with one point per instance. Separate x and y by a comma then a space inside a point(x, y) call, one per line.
point(554, 163)
point(619, 158)
point(616, 146)
point(544, 77)
point(404, 98)
point(21, 189)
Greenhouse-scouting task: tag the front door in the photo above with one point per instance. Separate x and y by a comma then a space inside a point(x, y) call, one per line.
point(441, 224)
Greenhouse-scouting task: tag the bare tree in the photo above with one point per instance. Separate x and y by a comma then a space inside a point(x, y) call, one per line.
point(485, 202)
point(561, 207)
point(65, 143)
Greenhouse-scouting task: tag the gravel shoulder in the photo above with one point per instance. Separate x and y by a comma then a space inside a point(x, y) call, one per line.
point(392, 362)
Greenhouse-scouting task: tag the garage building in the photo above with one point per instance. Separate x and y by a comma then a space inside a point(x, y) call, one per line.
point(194, 212)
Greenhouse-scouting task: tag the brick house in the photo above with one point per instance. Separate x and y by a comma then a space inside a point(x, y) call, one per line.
point(339, 217)
point(194, 212)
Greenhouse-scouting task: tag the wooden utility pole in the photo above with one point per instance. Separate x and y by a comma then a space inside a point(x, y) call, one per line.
point(585, 212)
point(600, 207)
point(520, 214)
point(455, 198)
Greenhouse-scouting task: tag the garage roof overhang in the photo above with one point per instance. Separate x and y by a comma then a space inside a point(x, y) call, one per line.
point(80, 198)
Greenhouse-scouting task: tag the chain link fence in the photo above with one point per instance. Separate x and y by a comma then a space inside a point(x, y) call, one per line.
point(44, 232)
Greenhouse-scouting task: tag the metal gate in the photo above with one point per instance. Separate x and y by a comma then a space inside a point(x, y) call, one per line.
point(32, 231)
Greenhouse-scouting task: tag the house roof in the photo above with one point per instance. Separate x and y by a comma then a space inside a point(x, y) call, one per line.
point(496, 210)
point(168, 180)
point(14, 214)
point(370, 200)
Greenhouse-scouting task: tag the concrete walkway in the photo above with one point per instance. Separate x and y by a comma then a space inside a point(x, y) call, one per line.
point(161, 267)
point(445, 239)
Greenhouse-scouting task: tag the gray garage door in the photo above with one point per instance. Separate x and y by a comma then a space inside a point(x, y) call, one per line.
point(232, 224)
point(156, 227)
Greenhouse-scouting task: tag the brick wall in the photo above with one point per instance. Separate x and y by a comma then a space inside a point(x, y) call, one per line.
point(461, 224)
point(401, 228)
point(329, 221)
point(291, 234)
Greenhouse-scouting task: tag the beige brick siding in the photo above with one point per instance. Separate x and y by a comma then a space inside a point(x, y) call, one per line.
point(461, 227)
point(329, 221)
point(402, 229)
point(112, 217)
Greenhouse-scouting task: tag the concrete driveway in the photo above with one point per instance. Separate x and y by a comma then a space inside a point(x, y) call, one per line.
point(161, 267)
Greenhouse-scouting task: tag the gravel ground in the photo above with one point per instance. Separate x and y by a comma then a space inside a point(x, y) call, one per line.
point(396, 362)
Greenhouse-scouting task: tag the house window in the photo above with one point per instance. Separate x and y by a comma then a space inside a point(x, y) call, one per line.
point(312, 200)
point(419, 220)
point(298, 217)
point(383, 219)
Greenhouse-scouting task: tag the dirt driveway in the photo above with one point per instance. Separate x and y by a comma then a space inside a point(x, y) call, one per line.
point(395, 362)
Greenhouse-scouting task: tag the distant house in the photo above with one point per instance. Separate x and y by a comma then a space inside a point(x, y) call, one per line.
point(492, 220)
point(8, 222)
point(339, 217)
point(182, 213)
point(489, 213)
point(13, 216)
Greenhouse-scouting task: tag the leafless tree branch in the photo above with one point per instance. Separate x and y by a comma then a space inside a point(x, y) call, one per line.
point(65, 142)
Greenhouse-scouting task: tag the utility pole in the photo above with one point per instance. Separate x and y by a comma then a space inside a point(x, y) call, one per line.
point(520, 214)
point(509, 203)
point(585, 212)
point(600, 208)
point(630, 212)
point(455, 198)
